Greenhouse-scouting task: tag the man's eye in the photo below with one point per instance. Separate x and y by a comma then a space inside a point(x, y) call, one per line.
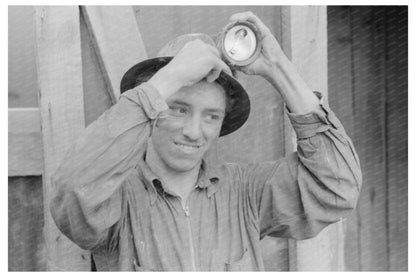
point(212, 117)
point(178, 110)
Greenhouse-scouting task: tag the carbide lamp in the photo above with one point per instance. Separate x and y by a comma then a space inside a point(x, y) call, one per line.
point(239, 43)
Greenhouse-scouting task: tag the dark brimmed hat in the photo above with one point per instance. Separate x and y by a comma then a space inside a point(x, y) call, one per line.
point(239, 110)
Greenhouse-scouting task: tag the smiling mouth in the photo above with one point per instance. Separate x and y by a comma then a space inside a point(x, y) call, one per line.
point(187, 148)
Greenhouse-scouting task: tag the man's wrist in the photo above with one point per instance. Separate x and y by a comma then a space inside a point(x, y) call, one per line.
point(278, 66)
point(165, 82)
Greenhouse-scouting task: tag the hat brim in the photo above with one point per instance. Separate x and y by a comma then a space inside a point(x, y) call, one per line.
point(235, 117)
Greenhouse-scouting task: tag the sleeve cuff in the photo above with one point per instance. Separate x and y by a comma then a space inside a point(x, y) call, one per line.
point(308, 125)
point(148, 98)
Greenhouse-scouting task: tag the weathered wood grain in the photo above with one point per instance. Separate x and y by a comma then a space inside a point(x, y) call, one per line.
point(289, 136)
point(97, 97)
point(305, 42)
point(26, 247)
point(62, 115)
point(369, 93)
point(341, 99)
point(25, 145)
point(117, 41)
point(369, 78)
point(397, 135)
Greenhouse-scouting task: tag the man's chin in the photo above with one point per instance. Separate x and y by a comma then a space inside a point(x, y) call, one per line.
point(182, 165)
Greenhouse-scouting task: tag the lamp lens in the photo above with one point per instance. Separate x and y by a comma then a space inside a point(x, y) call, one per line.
point(240, 43)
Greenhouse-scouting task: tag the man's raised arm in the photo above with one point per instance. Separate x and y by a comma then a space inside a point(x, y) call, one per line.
point(275, 67)
point(319, 184)
point(86, 195)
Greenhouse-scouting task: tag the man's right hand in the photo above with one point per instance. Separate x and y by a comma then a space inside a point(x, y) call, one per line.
point(194, 62)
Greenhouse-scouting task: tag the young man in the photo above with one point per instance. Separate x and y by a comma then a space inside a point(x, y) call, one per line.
point(135, 190)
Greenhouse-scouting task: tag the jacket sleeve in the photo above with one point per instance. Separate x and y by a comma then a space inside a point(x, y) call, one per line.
point(298, 196)
point(86, 188)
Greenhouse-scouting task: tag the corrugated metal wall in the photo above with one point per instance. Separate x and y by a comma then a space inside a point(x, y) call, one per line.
point(367, 65)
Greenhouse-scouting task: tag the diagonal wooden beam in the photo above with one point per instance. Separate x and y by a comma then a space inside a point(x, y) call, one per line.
point(117, 41)
point(61, 109)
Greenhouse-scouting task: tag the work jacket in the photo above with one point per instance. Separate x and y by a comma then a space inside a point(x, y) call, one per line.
point(106, 199)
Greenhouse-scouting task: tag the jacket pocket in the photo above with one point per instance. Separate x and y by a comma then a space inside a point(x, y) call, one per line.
point(242, 264)
point(136, 267)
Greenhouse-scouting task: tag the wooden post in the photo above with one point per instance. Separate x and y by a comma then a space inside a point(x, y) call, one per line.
point(25, 145)
point(61, 108)
point(117, 42)
point(304, 40)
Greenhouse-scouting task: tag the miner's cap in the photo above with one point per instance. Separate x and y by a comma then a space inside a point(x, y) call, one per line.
point(240, 102)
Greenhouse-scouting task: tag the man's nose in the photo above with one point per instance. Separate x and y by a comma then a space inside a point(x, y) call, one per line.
point(192, 128)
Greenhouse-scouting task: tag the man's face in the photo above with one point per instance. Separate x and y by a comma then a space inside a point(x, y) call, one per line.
point(186, 131)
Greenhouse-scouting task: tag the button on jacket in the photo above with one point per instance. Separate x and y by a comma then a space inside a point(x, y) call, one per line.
point(107, 199)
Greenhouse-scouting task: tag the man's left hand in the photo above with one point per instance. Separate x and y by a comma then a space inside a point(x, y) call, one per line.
point(271, 53)
point(276, 68)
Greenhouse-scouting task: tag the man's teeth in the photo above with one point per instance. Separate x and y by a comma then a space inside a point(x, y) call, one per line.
point(190, 147)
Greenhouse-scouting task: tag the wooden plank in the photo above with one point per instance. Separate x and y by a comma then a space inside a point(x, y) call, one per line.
point(97, 98)
point(117, 41)
point(62, 115)
point(340, 88)
point(305, 41)
point(289, 133)
point(341, 99)
point(397, 136)
point(369, 93)
point(21, 57)
point(286, 44)
point(25, 220)
point(379, 85)
point(25, 145)
point(377, 106)
point(24, 120)
point(309, 45)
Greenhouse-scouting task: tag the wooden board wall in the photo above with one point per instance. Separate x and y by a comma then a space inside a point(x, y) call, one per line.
point(25, 142)
point(368, 87)
point(97, 99)
point(97, 91)
point(26, 250)
point(26, 247)
point(61, 91)
point(368, 91)
point(396, 20)
point(61, 107)
point(22, 79)
point(304, 30)
point(117, 42)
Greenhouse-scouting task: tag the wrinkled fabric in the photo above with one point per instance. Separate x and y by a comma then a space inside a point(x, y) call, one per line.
point(107, 200)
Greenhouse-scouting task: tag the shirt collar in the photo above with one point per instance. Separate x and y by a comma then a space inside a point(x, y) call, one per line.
point(208, 179)
point(147, 176)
